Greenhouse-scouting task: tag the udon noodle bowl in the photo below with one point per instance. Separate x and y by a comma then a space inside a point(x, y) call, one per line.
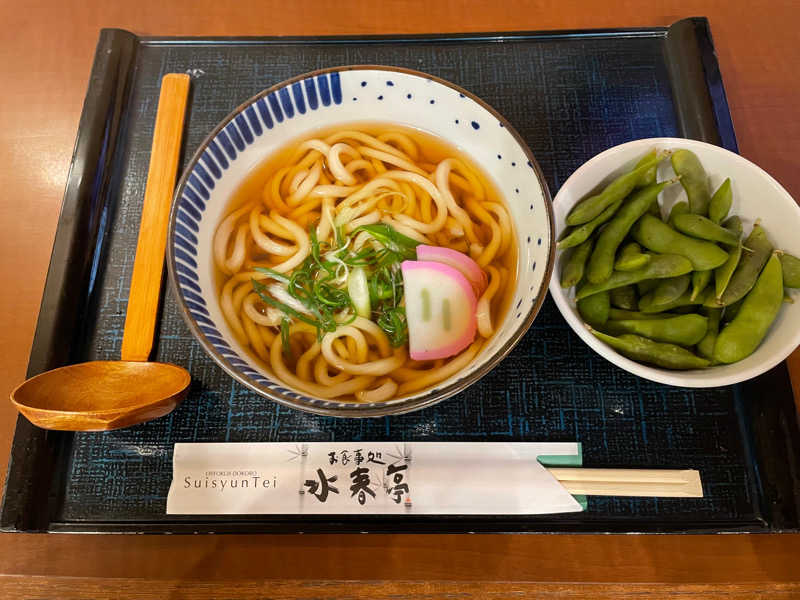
point(367, 263)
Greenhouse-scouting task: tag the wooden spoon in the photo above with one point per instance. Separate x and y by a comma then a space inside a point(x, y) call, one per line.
point(102, 395)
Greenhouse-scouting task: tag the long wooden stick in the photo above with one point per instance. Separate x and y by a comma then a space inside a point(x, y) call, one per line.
point(137, 340)
point(630, 482)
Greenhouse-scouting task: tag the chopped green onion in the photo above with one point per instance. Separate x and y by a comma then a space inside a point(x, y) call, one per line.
point(272, 273)
point(393, 323)
point(261, 290)
point(338, 235)
point(316, 250)
point(332, 296)
point(371, 285)
point(392, 239)
point(287, 349)
point(358, 288)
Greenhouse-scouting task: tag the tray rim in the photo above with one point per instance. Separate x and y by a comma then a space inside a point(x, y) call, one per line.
point(47, 446)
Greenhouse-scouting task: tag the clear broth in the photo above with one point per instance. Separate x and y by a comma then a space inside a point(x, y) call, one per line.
point(432, 149)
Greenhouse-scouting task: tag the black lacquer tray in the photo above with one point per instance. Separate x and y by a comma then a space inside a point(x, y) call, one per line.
point(571, 94)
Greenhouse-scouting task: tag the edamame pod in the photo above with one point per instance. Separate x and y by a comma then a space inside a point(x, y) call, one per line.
point(619, 314)
point(791, 270)
point(624, 297)
point(631, 258)
point(750, 265)
point(734, 224)
point(679, 208)
point(693, 179)
point(588, 209)
point(670, 289)
point(647, 305)
point(722, 274)
point(740, 338)
point(700, 280)
point(684, 330)
point(663, 265)
point(649, 176)
point(720, 202)
point(730, 311)
point(646, 286)
point(657, 236)
point(601, 262)
point(705, 347)
point(669, 356)
point(572, 272)
point(595, 309)
point(581, 233)
point(705, 229)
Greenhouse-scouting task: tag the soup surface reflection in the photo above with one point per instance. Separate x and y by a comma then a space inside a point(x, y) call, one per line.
point(366, 263)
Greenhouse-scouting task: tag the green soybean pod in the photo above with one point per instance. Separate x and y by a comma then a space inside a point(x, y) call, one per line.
point(723, 273)
point(670, 289)
point(705, 229)
point(705, 347)
point(791, 270)
point(663, 265)
point(572, 272)
point(601, 262)
point(750, 265)
point(659, 237)
point(595, 308)
point(693, 179)
point(638, 348)
point(631, 258)
point(620, 314)
point(649, 176)
point(740, 338)
point(648, 305)
point(624, 297)
point(646, 286)
point(588, 209)
point(720, 202)
point(700, 280)
point(729, 312)
point(581, 233)
point(684, 330)
point(679, 208)
point(734, 224)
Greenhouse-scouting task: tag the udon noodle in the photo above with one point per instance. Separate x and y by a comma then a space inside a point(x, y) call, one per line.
point(309, 219)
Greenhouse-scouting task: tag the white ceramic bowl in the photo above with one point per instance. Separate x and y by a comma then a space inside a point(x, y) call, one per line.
point(755, 195)
point(349, 95)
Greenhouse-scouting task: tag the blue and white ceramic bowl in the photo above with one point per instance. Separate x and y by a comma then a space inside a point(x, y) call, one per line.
point(320, 100)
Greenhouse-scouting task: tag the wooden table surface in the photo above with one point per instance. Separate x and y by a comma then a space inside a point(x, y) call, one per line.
point(46, 51)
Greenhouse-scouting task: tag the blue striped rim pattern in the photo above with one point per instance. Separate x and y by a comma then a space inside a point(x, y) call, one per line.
point(241, 131)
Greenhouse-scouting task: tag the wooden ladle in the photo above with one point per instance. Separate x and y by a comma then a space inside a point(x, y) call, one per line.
point(102, 395)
